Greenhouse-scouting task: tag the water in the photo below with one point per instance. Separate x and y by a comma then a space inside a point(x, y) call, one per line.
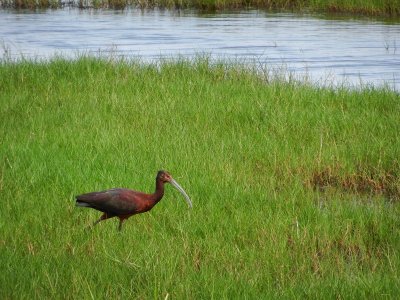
point(326, 50)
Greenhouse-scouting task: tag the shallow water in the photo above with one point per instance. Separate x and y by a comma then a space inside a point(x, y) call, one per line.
point(327, 51)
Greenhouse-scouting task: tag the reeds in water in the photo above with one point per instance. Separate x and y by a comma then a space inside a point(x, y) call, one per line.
point(369, 7)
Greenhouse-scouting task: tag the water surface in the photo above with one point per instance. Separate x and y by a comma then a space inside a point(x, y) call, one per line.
point(326, 50)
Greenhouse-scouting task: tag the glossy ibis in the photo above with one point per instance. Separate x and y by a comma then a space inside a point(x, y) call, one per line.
point(123, 203)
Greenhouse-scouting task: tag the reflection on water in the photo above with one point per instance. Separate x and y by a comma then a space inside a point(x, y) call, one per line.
point(327, 50)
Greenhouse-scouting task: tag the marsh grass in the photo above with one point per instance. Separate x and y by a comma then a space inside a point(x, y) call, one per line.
point(31, 4)
point(389, 8)
point(264, 160)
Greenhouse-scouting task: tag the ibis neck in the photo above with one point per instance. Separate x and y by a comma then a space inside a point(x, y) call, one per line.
point(159, 193)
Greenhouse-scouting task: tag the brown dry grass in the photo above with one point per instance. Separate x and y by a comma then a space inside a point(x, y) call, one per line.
point(365, 180)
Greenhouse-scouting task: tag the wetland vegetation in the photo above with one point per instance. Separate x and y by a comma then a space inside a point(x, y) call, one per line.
point(389, 8)
point(295, 187)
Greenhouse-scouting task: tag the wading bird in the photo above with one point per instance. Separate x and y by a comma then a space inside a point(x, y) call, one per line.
point(123, 203)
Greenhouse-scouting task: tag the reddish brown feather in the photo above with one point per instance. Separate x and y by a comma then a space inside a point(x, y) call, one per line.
point(123, 203)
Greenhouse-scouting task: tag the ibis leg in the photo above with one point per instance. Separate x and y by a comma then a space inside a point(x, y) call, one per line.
point(102, 218)
point(120, 224)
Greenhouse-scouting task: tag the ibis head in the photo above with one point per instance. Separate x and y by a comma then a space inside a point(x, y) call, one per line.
point(165, 177)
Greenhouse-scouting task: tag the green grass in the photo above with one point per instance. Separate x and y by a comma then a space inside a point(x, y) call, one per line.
point(295, 188)
point(364, 7)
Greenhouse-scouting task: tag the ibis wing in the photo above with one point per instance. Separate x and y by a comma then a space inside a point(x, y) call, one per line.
point(114, 201)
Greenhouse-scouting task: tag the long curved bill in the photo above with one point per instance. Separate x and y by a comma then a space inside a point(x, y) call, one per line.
point(182, 191)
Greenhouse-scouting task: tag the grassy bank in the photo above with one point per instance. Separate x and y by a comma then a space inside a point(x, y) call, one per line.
point(363, 7)
point(296, 189)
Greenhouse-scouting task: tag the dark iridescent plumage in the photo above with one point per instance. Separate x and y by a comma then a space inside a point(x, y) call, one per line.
point(123, 203)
